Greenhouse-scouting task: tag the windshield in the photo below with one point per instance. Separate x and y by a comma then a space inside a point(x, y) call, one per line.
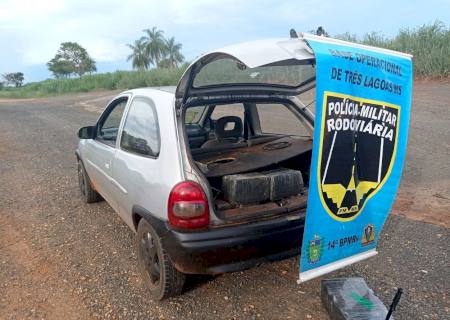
point(230, 71)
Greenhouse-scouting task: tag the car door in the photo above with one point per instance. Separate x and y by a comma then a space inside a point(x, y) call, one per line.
point(136, 170)
point(100, 151)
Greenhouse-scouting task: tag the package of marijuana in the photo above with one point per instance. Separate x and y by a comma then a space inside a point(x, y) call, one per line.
point(351, 299)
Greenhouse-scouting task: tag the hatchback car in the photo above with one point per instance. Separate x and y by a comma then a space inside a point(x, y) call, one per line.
point(212, 175)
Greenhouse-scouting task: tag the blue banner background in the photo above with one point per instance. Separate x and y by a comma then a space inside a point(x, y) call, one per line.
point(319, 223)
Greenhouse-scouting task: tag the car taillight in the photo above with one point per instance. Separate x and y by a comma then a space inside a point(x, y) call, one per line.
point(188, 206)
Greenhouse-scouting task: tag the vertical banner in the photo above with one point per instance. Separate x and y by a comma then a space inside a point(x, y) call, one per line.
point(363, 101)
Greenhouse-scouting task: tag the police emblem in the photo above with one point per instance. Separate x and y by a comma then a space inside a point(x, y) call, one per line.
point(368, 235)
point(315, 249)
point(357, 149)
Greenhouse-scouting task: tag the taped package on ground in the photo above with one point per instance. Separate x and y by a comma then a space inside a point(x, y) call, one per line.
point(351, 299)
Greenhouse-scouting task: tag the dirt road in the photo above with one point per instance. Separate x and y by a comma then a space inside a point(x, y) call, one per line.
point(60, 258)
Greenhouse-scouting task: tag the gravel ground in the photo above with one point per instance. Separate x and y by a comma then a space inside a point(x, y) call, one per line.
point(60, 258)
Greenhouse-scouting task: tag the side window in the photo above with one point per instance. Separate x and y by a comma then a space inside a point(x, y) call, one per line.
point(109, 126)
point(278, 119)
point(141, 130)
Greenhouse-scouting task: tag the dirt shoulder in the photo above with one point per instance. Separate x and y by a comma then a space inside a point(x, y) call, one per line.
point(32, 290)
point(67, 99)
point(424, 192)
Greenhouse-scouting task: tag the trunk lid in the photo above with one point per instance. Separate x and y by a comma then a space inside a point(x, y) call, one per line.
point(271, 66)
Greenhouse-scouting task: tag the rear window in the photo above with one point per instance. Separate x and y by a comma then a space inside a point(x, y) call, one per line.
point(230, 71)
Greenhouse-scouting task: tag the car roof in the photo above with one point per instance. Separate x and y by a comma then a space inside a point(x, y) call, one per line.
point(148, 90)
point(170, 89)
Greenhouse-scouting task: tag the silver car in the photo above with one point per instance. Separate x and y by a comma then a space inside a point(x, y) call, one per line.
point(212, 175)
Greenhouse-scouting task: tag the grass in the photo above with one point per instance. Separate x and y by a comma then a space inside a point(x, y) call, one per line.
point(430, 45)
point(104, 81)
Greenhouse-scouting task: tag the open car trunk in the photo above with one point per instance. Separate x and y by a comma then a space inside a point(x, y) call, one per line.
point(264, 176)
point(251, 173)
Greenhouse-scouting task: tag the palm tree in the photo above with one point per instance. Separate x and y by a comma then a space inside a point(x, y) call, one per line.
point(139, 57)
point(173, 55)
point(155, 45)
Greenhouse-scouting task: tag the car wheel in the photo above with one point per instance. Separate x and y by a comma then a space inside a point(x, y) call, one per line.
point(88, 193)
point(158, 272)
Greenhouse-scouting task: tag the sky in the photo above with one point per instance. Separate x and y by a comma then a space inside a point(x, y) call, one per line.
point(32, 30)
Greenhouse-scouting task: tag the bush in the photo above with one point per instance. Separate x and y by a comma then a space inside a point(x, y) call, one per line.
point(429, 44)
point(104, 81)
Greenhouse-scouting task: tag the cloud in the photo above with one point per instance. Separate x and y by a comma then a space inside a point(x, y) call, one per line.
point(16, 12)
point(31, 31)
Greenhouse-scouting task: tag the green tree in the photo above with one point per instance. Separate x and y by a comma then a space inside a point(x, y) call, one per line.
point(172, 54)
point(71, 58)
point(155, 45)
point(14, 78)
point(139, 56)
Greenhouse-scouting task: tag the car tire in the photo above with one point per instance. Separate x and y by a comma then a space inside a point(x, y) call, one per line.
point(158, 272)
point(88, 193)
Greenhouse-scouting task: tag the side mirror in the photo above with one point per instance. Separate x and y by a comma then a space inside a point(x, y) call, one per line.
point(86, 132)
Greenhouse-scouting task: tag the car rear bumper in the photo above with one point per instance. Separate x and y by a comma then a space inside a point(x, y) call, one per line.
point(235, 248)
